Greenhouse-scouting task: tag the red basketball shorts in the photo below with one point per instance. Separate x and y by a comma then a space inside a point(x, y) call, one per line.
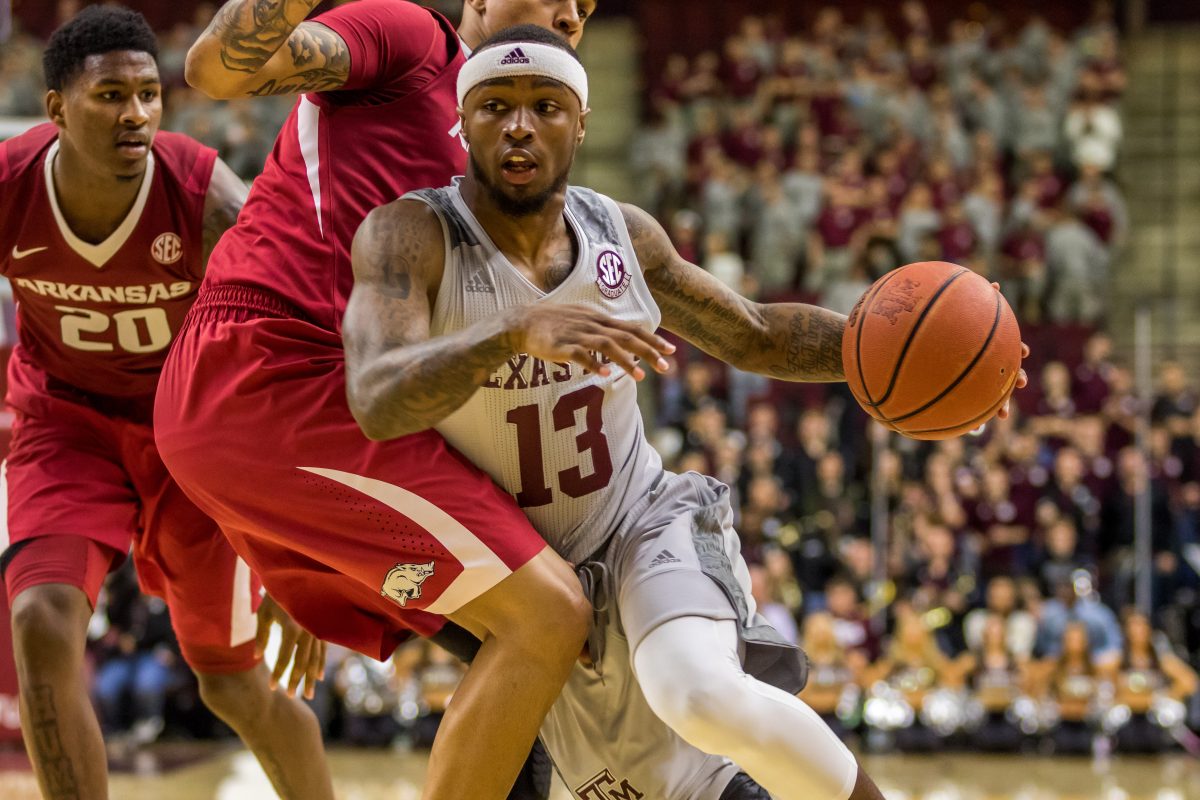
point(83, 488)
point(362, 542)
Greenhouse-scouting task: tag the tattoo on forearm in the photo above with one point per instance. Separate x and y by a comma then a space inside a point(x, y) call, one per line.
point(812, 348)
point(252, 31)
point(52, 760)
point(788, 341)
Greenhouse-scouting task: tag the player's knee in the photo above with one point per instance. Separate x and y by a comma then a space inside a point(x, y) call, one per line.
point(49, 624)
point(237, 697)
point(695, 706)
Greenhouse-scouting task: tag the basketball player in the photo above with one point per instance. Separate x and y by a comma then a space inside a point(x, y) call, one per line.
point(483, 309)
point(362, 542)
point(104, 228)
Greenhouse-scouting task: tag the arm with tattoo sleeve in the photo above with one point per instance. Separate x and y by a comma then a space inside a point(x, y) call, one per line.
point(222, 204)
point(400, 381)
point(789, 341)
point(242, 52)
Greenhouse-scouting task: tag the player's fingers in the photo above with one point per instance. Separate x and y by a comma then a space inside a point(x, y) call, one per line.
point(618, 355)
point(316, 661)
point(324, 656)
point(299, 663)
point(652, 340)
point(583, 357)
point(1022, 379)
point(262, 634)
point(1024, 350)
point(646, 346)
point(286, 648)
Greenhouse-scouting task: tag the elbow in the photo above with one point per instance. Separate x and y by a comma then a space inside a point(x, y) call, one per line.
point(203, 71)
point(375, 419)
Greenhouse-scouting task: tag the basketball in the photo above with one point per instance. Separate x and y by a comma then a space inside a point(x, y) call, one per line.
point(932, 350)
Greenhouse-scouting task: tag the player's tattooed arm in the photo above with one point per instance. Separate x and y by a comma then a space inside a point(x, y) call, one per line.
point(399, 380)
point(226, 194)
point(243, 53)
point(789, 341)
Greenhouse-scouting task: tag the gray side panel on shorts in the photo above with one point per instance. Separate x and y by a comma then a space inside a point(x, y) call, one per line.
point(670, 553)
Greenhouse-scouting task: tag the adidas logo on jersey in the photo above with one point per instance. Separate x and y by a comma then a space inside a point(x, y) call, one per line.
point(665, 557)
point(479, 283)
point(515, 56)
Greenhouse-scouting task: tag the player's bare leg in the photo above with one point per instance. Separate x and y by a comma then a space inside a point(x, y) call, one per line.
point(62, 734)
point(281, 731)
point(533, 625)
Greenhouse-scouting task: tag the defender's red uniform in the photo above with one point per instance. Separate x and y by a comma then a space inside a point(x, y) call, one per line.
point(84, 479)
point(357, 540)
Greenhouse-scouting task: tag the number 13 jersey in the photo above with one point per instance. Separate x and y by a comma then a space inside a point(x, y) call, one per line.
point(567, 443)
point(99, 317)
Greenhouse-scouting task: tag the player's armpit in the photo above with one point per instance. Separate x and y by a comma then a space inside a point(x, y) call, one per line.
point(222, 204)
point(261, 48)
point(789, 341)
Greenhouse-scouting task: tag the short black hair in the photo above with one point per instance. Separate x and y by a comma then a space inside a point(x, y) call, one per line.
point(93, 31)
point(528, 33)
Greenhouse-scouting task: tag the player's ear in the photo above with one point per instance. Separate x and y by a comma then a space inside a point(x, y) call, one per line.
point(479, 6)
point(583, 115)
point(462, 127)
point(55, 104)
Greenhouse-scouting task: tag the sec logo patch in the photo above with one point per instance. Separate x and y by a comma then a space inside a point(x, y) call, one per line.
point(611, 275)
point(167, 248)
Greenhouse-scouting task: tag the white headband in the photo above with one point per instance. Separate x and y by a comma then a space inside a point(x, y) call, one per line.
point(523, 58)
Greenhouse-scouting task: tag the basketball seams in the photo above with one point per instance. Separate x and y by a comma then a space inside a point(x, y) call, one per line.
point(862, 321)
point(962, 376)
point(912, 334)
point(977, 421)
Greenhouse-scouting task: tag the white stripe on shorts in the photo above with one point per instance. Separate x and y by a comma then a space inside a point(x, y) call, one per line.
point(482, 569)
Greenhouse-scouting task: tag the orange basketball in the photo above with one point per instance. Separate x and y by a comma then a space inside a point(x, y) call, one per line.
point(932, 350)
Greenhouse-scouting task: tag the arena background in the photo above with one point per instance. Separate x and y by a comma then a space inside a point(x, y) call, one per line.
point(799, 150)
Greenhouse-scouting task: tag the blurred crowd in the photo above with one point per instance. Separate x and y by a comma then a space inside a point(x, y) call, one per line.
point(814, 161)
point(978, 591)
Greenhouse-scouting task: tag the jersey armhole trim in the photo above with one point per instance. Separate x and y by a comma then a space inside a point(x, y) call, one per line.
point(439, 302)
point(641, 288)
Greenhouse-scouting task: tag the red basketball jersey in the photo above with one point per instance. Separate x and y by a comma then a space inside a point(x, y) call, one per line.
point(100, 317)
point(392, 128)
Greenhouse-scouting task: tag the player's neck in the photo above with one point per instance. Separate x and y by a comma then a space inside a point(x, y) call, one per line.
point(93, 205)
point(527, 240)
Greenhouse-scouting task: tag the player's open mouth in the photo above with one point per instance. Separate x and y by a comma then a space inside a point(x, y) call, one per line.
point(133, 146)
point(518, 168)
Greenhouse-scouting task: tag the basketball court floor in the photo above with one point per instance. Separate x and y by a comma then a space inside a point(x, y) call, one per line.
point(222, 772)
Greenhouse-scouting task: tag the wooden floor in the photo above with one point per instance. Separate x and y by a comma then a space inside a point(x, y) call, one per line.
point(224, 773)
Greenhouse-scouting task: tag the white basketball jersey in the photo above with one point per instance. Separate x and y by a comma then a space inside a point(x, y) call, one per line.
point(567, 443)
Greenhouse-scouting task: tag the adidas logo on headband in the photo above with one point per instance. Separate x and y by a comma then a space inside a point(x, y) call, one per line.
point(516, 56)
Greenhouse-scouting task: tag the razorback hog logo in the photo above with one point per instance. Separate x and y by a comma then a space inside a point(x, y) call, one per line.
point(900, 298)
point(403, 581)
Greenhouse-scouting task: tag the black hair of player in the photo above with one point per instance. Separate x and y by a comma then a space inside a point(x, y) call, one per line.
point(528, 33)
point(94, 31)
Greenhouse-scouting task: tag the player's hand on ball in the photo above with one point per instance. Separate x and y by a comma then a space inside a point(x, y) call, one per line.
point(581, 334)
point(298, 647)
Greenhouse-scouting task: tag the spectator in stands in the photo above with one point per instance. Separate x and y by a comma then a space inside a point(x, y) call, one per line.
point(1076, 264)
point(997, 677)
point(1073, 680)
point(1003, 604)
point(1148, 674)
point(833, 673)
point(138, 660)
point(1074, 605)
